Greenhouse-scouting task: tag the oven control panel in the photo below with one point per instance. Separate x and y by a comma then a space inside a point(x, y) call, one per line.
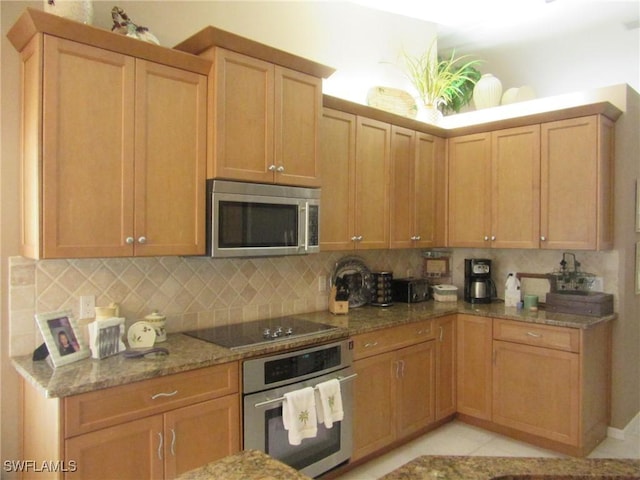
point(294, 366)
point(302, 364)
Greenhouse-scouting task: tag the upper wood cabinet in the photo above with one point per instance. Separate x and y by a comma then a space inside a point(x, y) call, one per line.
point(338, 166)
point(418, 185)
point(494, 189)
point(114, 149)
point(577, 184)
point(540, 186)
point(354, 159)
point(265, 121)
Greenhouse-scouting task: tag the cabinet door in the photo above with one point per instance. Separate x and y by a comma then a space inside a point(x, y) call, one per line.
point(243, 118)
point(445, 366)
point(515, 188)
point(415, 377)
point(402, 218)
point(87, 151)
point(337, 166)
point(374, 404)
point(170, 165)
point(470, 191)
point(201, 433)
point(474, 350)
point(430, 181)
point(373, 147)
point(537, 390)
point(569, 208)
point(133, 450)
point(298, 104)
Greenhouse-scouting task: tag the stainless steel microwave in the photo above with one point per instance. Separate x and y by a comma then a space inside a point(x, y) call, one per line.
point(257, 220)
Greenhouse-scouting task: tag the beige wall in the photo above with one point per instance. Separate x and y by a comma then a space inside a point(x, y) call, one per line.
point(363, 46)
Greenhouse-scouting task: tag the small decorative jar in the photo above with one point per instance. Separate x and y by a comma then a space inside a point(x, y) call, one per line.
point(158, 322)
point(487, 92)
point(78, 10)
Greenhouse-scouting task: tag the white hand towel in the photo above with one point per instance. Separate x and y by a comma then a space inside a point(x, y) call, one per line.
point(299, 415)
point(329, 402)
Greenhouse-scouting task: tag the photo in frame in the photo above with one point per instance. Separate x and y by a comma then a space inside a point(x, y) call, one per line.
point(62, 337)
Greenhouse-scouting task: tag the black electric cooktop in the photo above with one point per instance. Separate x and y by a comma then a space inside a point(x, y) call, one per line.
point(239, 335)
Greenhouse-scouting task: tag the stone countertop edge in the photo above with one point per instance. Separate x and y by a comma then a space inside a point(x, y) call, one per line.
point(187, 353)
point(244, 465)
point(486, 468)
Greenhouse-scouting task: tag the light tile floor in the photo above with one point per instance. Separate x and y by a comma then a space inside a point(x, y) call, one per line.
point(457, 438)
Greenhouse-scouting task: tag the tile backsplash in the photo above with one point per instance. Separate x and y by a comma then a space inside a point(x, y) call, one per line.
point(197, 292)
point(193, 292)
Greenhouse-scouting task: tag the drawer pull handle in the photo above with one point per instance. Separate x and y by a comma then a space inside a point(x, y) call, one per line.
point(534, 335)
point(371, 344)
point(163, 394)
point(441, 333)
point(160, 447)
point(173, 442)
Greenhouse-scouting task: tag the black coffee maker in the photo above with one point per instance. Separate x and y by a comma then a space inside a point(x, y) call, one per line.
point(478, 285)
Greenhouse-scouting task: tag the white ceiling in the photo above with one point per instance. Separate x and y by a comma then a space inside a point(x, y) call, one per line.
point(487, 23)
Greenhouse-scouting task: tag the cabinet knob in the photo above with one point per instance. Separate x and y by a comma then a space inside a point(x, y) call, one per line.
point(272, 168)
point(543, 238)
point(359, 238)
point(142, 240)
point(280, 169)
point(418, 237)
point(486, 238)
point(493, 238)
point(413, 238)
point(354, 239)
point(129, 240)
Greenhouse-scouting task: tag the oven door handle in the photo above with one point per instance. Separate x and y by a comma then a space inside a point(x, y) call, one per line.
point(280, 399)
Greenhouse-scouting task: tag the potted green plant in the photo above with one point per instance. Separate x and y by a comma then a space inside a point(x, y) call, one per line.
point(441, 82)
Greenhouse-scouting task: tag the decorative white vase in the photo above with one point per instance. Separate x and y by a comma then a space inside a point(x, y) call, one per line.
point(487, 92)
point(429, 114)
point(78, 10)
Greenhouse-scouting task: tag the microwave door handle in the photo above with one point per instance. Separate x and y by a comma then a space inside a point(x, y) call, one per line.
point(305, 233)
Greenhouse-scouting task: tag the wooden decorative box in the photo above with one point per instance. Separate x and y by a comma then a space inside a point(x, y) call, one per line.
point(596, 304)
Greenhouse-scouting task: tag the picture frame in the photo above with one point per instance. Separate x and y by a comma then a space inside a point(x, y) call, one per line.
point(62, 337)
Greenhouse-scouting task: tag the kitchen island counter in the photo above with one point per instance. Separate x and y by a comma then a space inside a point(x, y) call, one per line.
point(486, 468)
point(245, 465)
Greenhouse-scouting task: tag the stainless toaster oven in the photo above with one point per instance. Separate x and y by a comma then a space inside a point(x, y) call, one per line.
point(410, 290)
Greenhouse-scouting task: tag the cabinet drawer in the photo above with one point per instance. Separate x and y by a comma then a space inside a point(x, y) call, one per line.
point(102, 408)
point(392, 338)
point(559, 338)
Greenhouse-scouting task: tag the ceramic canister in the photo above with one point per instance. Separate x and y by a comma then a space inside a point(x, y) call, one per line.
point(159, 324)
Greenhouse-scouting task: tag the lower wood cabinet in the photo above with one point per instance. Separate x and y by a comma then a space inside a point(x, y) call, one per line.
point(153, 429)
point(474, 337)
point(445, 344)
point(394, 390)
point(544, 384)
point(160, 446)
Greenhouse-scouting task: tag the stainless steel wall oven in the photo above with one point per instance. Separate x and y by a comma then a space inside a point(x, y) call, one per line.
point(267, 379)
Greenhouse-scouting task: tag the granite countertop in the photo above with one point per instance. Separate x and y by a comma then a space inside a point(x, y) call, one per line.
point(245, 465)
point(486, 468)
point(187, 353)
